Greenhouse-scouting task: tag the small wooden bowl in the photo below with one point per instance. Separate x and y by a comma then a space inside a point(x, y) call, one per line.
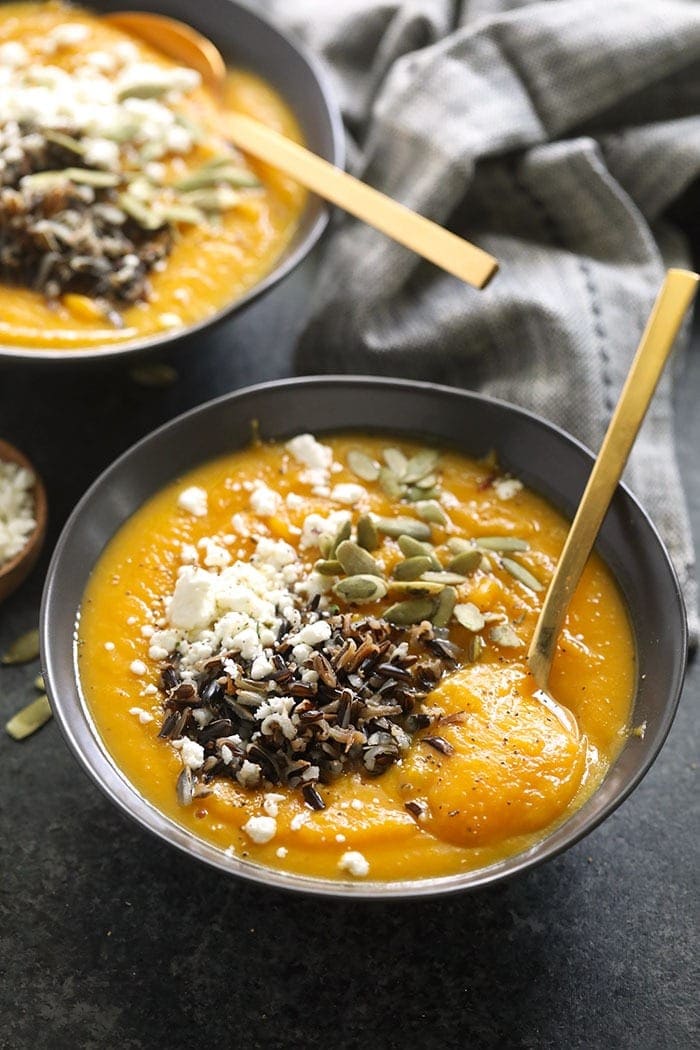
point(15, 571)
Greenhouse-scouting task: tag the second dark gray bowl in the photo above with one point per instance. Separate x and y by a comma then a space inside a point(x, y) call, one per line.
point(250, 41)
point(545, 458)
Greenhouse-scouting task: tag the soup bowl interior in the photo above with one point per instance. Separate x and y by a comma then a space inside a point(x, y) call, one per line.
point(249, 41)
point(543, 457)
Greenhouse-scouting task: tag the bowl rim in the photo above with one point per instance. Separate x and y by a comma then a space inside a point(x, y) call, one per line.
point(169, 337)
point(154, 821)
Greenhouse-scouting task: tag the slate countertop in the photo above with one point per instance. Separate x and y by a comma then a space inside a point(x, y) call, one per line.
point(110, 939)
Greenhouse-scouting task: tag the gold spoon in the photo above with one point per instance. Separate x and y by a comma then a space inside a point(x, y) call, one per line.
point(421, 235)
point(676, 295)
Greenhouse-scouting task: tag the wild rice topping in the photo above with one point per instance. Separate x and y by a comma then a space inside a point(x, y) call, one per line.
point(351, 701)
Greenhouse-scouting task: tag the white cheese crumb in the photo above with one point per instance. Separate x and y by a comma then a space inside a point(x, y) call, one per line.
point(356, 803)
point(248, 775)
point(215, 556)
point(138, 667)
point(312, 634)
point(299, 819)
point(340, 838)
point(192, 604)
point(109, 646)
point(191, 752)
point(294, 501)
point(151, 690)
point(354, 863)
point(506, 488)
point(350, 494)
point(143, 716)
point(194, 501)
point(261, 829)
point(271, 803)
point(281, 852)
point(264, 501)
point(310, 452)
point(68, 34)
point(13, 54)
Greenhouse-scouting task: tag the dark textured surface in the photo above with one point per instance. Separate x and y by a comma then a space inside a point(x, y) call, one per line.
point(109, 939)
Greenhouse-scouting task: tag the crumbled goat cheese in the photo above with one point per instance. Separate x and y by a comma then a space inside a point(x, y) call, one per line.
point(299, 819)
point(17, 520)
point(143, 716)
point(315, 526)
point(109, 646)
point(310, 452)
point(264, 501)
point(138, 668)
point(312, 634)
point(68, 34)
point(261, 829)
point(350, 494)
point(13, 54)
point(271, 803)
point(248, 775)
point(281, 852)
point(356, 803)
point(214, 554)
point(354, 863)
point(194, 501)
point(506, 488)
point(191, 753)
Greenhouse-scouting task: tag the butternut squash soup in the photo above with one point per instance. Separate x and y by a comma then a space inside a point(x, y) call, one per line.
point(312, 655)
point(124, 210)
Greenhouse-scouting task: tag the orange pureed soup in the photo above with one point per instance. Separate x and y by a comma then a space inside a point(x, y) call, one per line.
point(312, 655)
point(125, 211)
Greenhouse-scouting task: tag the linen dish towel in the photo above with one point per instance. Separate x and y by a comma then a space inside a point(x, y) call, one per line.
point(554, 134)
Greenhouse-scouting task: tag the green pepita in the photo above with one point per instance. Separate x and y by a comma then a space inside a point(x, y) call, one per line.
point(465, 562)
point(214, 199)
point(23, 650)
point(502, 543)
point(92, 177)
point(522, 574)
point(184, 213)
point(341, 535)
point(420, 466)
point(412, 568)
point(146, 217)
point(390, 484)
point(324, 545)
point(367, 535)
point(430, 510)
point(504, 635)
point(475, 648)
point(356, 561)
point(144, 89)
point(362, 465)
point(469, 616)
point(415, 587)
point(329, 568)
point(29, 719)
point(210, 176)
point(395, 461)
point(447, 599)
point(361, 589)
point(395, 527)
point(447, 579)
point(65, 141)
point(458, 545)
point(413, 611)
point(39, 683)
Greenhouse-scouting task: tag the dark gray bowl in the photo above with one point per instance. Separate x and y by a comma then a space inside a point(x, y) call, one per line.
point(546, 459)
point(248, 40)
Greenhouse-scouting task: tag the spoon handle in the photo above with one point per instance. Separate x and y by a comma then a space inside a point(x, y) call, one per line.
point(426, 238)
point(676, 295)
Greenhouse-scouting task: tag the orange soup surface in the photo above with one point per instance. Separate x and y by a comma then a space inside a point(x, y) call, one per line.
point(313, 656)
point(125, 210)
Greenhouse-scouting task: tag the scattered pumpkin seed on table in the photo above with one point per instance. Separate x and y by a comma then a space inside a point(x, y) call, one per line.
point(29, 719)
point(23, 650)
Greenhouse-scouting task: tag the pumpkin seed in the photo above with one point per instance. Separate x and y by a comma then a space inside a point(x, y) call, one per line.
point(475, 648)
point(184, 786)
point(428, 482)
point(43, 180)
point(447, 599)
point(411, 548)
point(66, 141)
point(185, 213)
point(465, 562)
point(362, 465)
point(414, 611)
point(361, 588)
point(341, 535)
point(329, 568)
point(415, 494)
point(144, 89)
point(412, 568)
point(210, 176)
point(445, 578)
point(458, 545)
point(215, 199)
point(23, 650)
point(356, 561)
point(395, 461)
point(396, 527)
point(146, 217)
point(504, 635)
point(29, 719)
point(390, 484)
point(502, 543)
point(92, 177)
point(521, 573)
point(430, 510)
point(154, 376)
point(367, 535)
point(469, 616)
point(420, 466)
point(39, 683)
point(324, 545)
point(415, 587)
